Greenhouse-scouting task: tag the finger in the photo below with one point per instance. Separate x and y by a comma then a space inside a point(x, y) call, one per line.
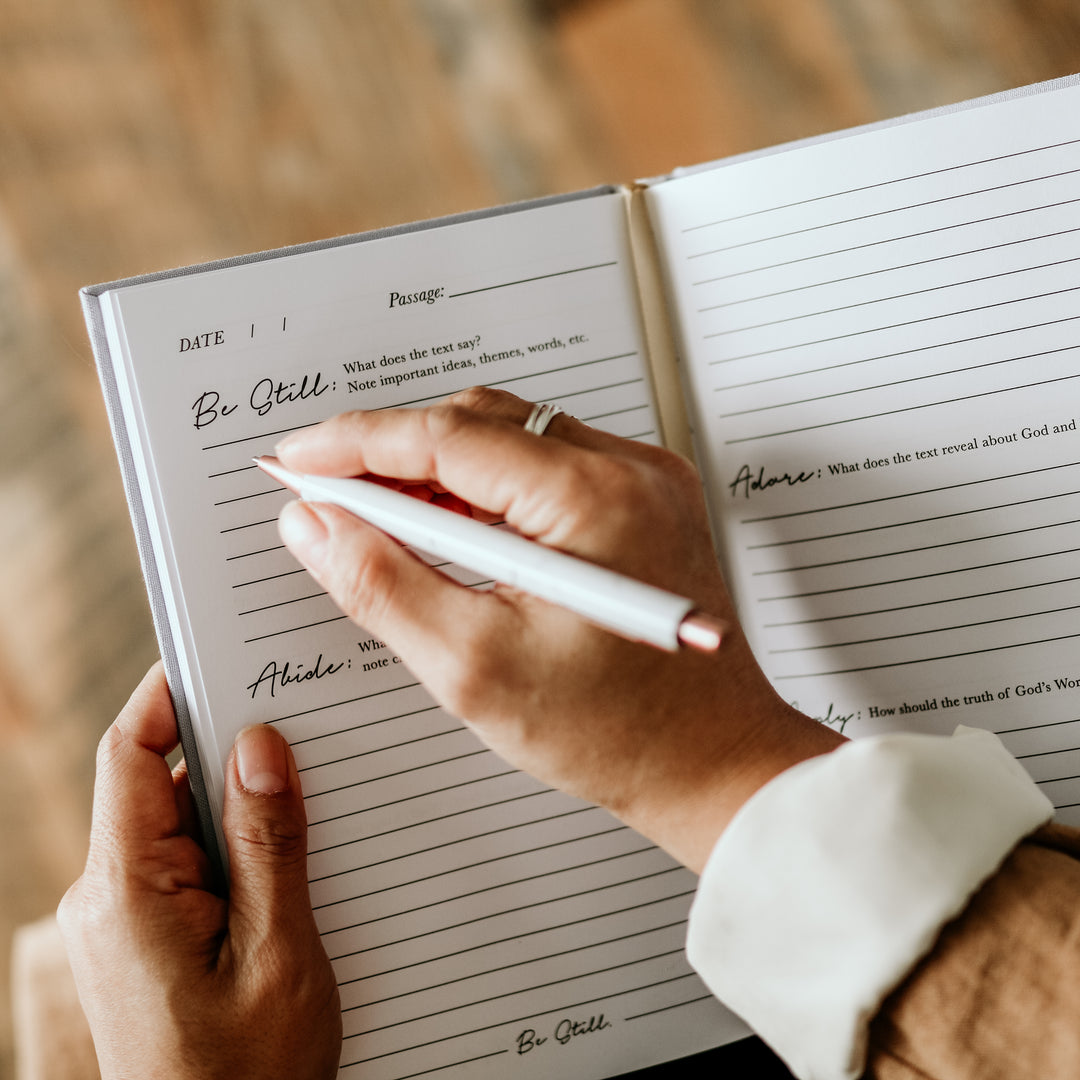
point(134, 798)
point(545, 488)
point(266, 836)
point(331, 448)
point(379, 584)
point(185, 803)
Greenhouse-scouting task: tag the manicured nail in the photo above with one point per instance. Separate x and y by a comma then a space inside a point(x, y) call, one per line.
point(303, 533)
point(291, 441)
point(262, 761)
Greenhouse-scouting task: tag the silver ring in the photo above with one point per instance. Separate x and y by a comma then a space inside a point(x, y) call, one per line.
point(540, 417)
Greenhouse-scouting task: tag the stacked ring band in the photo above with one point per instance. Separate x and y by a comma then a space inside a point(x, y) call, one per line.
point(540, 417)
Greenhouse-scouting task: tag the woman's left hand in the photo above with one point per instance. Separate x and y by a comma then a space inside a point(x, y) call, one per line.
point(179, 983)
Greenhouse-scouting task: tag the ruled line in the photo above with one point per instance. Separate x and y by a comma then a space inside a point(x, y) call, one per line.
point(931, 659)
point(894, 383)
point(260, 551)
point(248, 525)
point(251, 438)
point(543, 876)
point(470, 866)
point(1037, 727)
point(883, 213)
point(435, 1068)
point(882, 184)
point(455, 730)
point(920, 604)
point(360, 727)
point(899, 238)
point(921, 577)
point(913, 521)
point(905, 296)
point(881, 356)
point(252, 495)
point(230, 472)
point(516, 964)
point(863, 275)
point(937, 289)
point(348, 701)
point(521, 1019)
point(613, 412)
point(271, 577)
point(1049, 753)
point(923, 633)
point(515, 910)
point(283, 603)
point(448, 844)
point(922, 320)
point(427, 821)
point(610, 386)
point(567, 367)
point(400, 772)
point(525, 990)
point(903, 409)
point(916, 550)
point(668, 1008)
point(294, 629)
point(529, 280)
point(514, 938)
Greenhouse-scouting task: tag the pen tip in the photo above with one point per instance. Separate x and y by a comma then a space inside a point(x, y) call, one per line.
point(701, 632)
point(272, 467)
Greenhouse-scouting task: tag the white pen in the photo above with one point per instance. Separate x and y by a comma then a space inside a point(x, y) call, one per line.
point(630, 608)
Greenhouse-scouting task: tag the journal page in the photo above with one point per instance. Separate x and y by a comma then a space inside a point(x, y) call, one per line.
point(479, 923)
point(880, 337)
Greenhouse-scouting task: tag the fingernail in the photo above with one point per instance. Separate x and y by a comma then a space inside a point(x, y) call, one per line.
point(262, 761)
point(290, 442)
point(303, 533)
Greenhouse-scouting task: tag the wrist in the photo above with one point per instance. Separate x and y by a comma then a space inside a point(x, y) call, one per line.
point(738, 738)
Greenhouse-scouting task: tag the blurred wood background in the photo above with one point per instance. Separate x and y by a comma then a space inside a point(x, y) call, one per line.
point(137, 135)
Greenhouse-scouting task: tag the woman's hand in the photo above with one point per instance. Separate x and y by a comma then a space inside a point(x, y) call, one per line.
point(179, 983)
point(671, 743)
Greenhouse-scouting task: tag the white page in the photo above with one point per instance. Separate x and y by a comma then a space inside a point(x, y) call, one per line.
point(907, 297)
point(480, 925)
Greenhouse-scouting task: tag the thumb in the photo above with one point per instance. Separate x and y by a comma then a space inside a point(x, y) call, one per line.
point(266, 836)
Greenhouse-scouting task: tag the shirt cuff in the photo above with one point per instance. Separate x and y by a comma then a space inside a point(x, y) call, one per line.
point(834, 879)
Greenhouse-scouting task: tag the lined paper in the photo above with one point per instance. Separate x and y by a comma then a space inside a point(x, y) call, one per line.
point(479, 924)
point(882, 339)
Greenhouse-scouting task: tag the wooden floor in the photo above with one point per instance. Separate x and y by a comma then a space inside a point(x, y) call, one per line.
point(141, 134)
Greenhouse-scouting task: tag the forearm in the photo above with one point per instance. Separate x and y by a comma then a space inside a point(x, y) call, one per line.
point(998, 998)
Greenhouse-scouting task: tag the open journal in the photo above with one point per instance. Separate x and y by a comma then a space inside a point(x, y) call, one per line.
point(873, 343)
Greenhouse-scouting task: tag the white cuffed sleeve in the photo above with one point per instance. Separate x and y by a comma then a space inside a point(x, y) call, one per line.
point(834, 879)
